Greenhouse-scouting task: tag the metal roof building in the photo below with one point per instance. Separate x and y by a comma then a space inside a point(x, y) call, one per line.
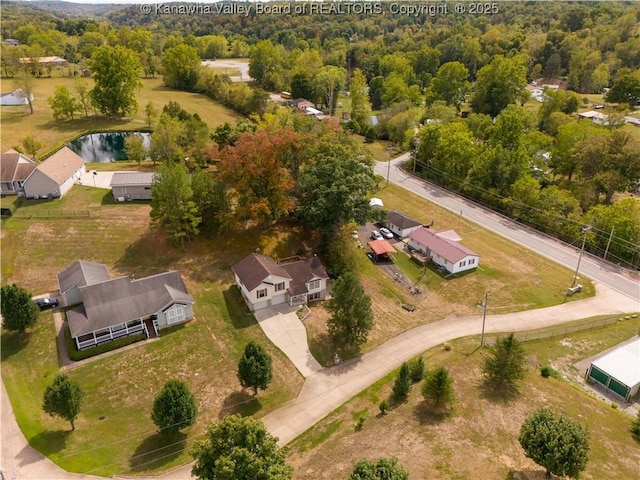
point(619, 370)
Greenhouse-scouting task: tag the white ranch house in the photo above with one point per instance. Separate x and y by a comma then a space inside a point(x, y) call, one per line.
point(265, 283)
point(444, 252)
point(106, 308)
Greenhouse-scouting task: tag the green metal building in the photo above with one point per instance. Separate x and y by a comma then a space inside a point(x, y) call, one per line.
point(619, 370)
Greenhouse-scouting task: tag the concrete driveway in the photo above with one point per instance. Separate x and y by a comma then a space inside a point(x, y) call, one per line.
point(91, 178)
point(286, 331)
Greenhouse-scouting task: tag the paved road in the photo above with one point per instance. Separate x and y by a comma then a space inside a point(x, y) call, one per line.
point(554, 250)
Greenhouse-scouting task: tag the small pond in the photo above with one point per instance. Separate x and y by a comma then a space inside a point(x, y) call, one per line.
point(104, 147)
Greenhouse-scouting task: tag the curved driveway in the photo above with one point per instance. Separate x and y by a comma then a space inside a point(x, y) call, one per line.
point(546, 246)
point(325, 390)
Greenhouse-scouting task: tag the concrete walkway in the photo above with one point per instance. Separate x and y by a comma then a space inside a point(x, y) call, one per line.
point(91, 178)
point(283, 327)
point(327, 389)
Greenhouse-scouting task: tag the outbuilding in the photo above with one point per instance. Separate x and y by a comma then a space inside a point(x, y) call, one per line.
point(401, 224)
point(619, 370)
point(380, 250)
point(127, 186)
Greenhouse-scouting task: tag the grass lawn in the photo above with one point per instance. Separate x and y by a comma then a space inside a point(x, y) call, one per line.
point(478, 438)
point(119, 390)
point(17, 122)
point(515, 278)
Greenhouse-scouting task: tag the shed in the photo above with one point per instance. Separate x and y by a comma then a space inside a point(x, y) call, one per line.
point(619, 370)
point(401, 224)
point(131, 186)
point(376, 203)
point(381, 249)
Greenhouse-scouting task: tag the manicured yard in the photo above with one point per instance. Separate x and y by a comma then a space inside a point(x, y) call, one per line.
point(478, 439)
point(86, 224)
point(204, 353)
point(18, 123)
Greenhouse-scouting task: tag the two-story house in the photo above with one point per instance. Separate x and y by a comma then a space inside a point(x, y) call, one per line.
point(265, 283)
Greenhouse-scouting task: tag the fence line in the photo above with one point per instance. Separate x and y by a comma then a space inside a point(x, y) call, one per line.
point(52, 214)
point(576, 327)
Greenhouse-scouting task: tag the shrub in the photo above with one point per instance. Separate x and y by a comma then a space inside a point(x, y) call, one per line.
point(545, 371)
point(446, 346)
point(360, 423)
point(384, 407)
point(402, 384)
point(635, 427)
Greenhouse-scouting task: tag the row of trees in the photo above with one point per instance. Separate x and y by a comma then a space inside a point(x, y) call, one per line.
point(556, 184)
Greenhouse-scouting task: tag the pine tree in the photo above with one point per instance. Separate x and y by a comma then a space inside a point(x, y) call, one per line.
point(437, 388)
point(505, 366)
point(402, 384)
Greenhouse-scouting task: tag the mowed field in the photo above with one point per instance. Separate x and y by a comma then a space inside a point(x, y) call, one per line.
point(515, 278)
point(17, 122)
point(478, 438)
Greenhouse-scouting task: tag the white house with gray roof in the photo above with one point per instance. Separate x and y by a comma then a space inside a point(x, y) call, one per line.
point(127, 186)
point(108, 308)
point(265, 283)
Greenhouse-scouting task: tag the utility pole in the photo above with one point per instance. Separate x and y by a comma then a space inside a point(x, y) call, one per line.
point(484, 317)
point(606, 250)
point(585, 230)
point(388, 164)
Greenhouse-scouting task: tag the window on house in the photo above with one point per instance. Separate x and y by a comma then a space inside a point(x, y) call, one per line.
point(175, 314)
point(471, 260)
point(313, 296)
point(314, 285)
point(261, 293)
point(279, 286)
point(463, 263)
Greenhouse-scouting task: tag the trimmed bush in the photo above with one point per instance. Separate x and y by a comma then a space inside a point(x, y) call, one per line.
point(75, 354)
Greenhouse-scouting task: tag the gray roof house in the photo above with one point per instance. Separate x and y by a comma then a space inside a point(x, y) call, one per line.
point(401, 224)
point(444, 252)
point(265, 283)
point(14, 170)
point(127, 186)
point(111, 308)
point(53, 177)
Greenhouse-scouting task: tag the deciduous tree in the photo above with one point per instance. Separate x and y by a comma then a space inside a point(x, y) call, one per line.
point(451, 84)
point(172, 205)
point(334, 190)
point(504, 367)
point(626, 89)
point(31, 144)
point(18, 310)
point(360, 108)
point(382, 469)
point(115, 71)
point(64, 105)
point(81, 89)
point(437, 388)
point(63, 399)
point(174, 408)
point(498, 84)
point(351, 315)
point(25, 81)
point(256, 170)
point(555, 442)
point(134, 148)
point(240, 449)
point(254, 368)
point(181, 66)
point(150, 112)
point(329, 80)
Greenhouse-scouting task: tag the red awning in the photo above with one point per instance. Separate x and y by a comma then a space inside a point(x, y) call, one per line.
point(381, 247)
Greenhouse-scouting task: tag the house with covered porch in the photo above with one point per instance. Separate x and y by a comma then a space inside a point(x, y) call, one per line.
point(104, 309)
point(265, 283)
